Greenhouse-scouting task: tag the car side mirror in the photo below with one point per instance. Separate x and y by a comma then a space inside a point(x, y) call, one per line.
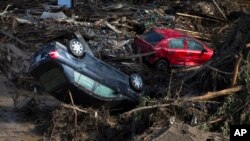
point(204, 50)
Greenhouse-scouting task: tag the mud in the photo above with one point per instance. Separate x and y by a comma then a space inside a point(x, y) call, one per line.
point(16, 124)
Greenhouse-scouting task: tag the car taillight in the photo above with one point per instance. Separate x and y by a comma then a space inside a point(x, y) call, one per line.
point(53, 54)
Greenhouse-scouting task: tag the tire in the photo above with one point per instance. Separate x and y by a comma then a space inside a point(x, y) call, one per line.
point(162, 65)
point(76, 48)
point(136, 82)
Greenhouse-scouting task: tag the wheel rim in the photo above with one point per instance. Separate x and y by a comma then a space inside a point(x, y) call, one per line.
point(161, 66)
point(137, 81)
point(77, 47)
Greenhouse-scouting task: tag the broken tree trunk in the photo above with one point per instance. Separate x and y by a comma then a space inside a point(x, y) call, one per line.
point(211, 95)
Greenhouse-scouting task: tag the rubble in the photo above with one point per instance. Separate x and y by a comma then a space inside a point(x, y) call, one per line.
point(108, 30)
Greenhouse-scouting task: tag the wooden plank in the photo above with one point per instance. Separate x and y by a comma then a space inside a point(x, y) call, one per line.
point(198, 35)
point(113, 27)
point(198, 17)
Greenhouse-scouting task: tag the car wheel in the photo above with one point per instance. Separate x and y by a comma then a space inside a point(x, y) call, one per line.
point(162, 65)
point(76, 48)
point(136, 82)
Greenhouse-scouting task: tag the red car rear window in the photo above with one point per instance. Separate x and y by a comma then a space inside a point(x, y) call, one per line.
point(153, 37)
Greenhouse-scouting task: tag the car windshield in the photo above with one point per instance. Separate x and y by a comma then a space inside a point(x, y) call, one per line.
point(94, 86)
point(52, 79)
point(153, 37)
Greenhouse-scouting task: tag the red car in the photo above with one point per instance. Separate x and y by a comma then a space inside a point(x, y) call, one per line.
point(172, 48)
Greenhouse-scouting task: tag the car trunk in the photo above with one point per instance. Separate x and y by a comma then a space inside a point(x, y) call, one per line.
point(142, 46)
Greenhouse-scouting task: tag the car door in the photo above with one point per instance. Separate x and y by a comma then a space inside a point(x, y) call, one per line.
point(94, 87)
point(176, 51)
point(195, 52)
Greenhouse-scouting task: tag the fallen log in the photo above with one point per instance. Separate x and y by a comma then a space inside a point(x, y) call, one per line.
point(211, 95)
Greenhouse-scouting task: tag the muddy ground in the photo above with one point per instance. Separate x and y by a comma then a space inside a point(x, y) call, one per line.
point(15, 125)
point(20, 118)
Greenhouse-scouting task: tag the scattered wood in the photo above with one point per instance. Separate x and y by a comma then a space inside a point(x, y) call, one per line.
point(211, 95)
point(139, 109)
point(99, 22)
point(121, 44)
point(222, 13)
point(113, 27)
point(23, 21)
point(5, 10)
point(198, 17)
point(72, 102)
point(248, 45)
point(74, 107)
point(198, 35)
point(185, 69)
point(15, 38)
point(216, 120)
point(217, 70)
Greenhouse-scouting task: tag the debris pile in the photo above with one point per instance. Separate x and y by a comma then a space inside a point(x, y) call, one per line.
point(109, 29)
point(233, 52)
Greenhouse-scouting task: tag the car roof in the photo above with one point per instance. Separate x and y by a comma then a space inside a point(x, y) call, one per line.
point(170, 33)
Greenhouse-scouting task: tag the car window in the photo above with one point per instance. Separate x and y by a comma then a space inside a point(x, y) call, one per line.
point(104, 91)
point(94, 86)
point(84, 81)
point(153, 37)
point(176, 44)
point(192, 45)
point(52, 79)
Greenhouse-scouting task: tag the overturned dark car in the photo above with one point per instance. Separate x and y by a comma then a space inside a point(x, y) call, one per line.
point(92, 82)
